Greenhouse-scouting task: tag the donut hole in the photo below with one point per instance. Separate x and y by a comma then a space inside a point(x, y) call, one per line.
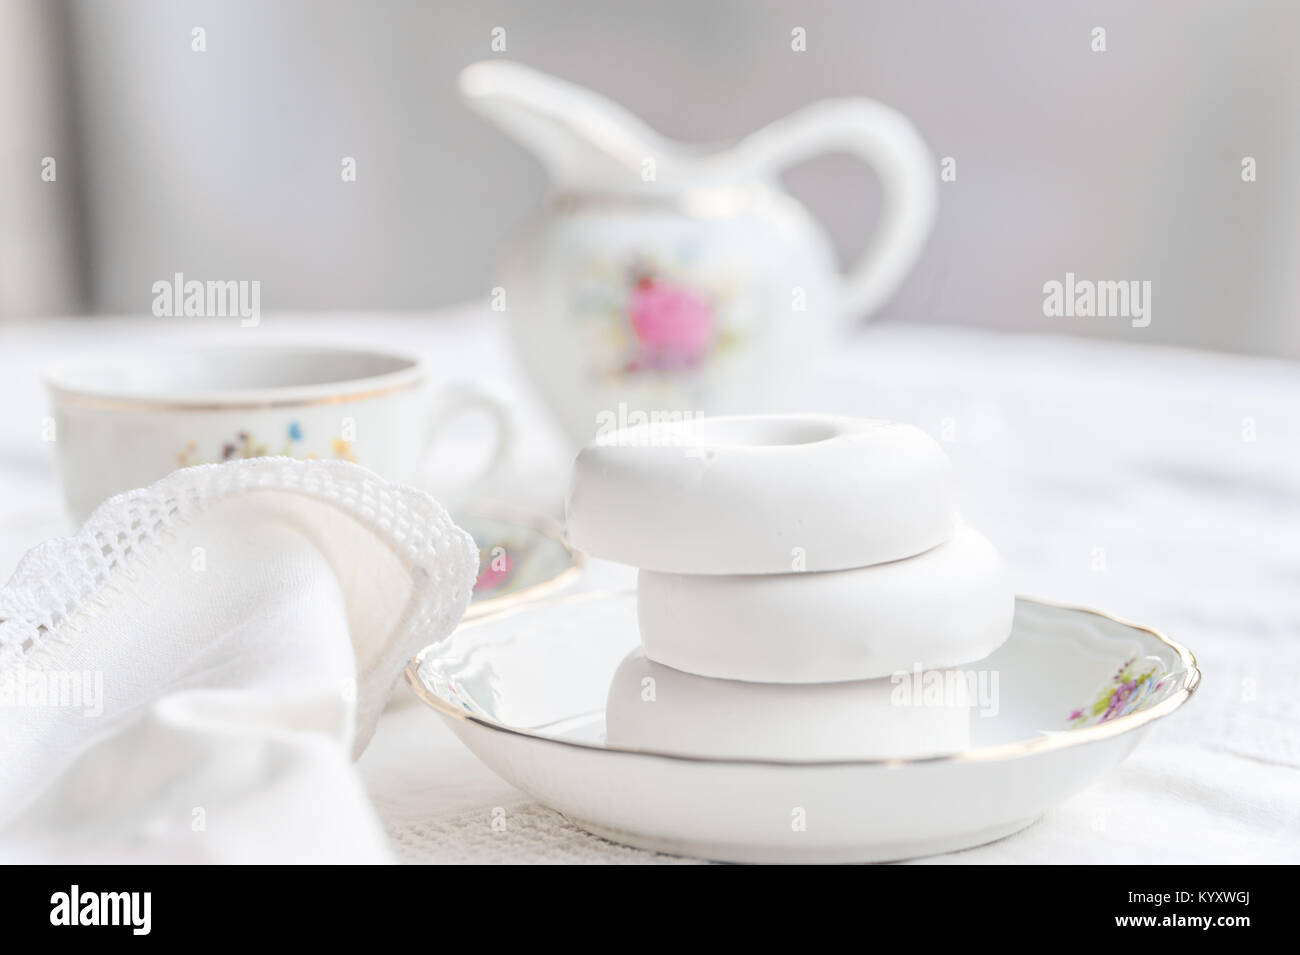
point(763, 432)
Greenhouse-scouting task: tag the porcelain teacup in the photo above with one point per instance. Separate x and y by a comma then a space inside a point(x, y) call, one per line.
point(123, 422)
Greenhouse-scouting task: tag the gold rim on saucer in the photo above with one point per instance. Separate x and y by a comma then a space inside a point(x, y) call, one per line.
point(1052, 742)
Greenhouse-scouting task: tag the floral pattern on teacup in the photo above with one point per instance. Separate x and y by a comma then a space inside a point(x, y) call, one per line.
point(245, 444)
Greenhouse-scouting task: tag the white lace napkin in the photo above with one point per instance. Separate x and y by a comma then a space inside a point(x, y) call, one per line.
point(190, 677)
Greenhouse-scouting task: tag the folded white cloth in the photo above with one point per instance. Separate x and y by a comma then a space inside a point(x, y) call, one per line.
point(190, 677)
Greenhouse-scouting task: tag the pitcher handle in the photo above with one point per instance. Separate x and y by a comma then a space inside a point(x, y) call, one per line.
point(886, 141)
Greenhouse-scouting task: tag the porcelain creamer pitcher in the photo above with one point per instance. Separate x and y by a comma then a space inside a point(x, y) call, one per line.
point(665, 280)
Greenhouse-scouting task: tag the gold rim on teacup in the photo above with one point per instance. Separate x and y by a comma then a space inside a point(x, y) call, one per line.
point(71, 381)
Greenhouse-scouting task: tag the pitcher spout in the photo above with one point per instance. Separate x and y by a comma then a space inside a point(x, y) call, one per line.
point(582, 139)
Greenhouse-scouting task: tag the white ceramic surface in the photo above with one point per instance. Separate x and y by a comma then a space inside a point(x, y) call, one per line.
point(521, 557)
point(122, 422)
point(526, 691)
point(947, 607)
point(654, 707)
point(761, 494)
point(666, 276)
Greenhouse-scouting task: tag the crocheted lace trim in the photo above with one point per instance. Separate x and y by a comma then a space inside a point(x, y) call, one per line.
point(64, 576)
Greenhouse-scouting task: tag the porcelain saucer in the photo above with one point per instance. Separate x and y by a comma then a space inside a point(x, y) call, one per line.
point(525, 690)
point(521, 557)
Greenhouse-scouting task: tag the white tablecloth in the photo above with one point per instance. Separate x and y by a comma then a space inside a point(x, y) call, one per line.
point(1159, 485)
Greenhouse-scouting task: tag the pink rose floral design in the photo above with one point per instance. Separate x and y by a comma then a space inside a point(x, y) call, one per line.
point(496, 569)
point(674, 325)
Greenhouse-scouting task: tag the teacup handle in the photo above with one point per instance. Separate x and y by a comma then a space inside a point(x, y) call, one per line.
point(448, 404)
point(886, 141)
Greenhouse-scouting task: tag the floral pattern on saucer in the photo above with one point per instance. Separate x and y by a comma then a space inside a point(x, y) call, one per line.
point(1133, 682)
point(496, 567)
point(521, 556)
point(498, 559)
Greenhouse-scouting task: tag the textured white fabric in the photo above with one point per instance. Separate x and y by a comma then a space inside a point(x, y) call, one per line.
point(246, 622)
point(1160, 485)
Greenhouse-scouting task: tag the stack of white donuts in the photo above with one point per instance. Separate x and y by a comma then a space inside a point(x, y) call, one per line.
point(791, 568)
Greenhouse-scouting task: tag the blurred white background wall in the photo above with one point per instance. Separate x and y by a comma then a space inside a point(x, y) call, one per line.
point(41, 236)
point(1123, 164)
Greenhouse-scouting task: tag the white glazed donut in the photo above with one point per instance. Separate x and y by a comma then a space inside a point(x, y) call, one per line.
point(761, 495)
point(947, 607)
point(654, 707)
